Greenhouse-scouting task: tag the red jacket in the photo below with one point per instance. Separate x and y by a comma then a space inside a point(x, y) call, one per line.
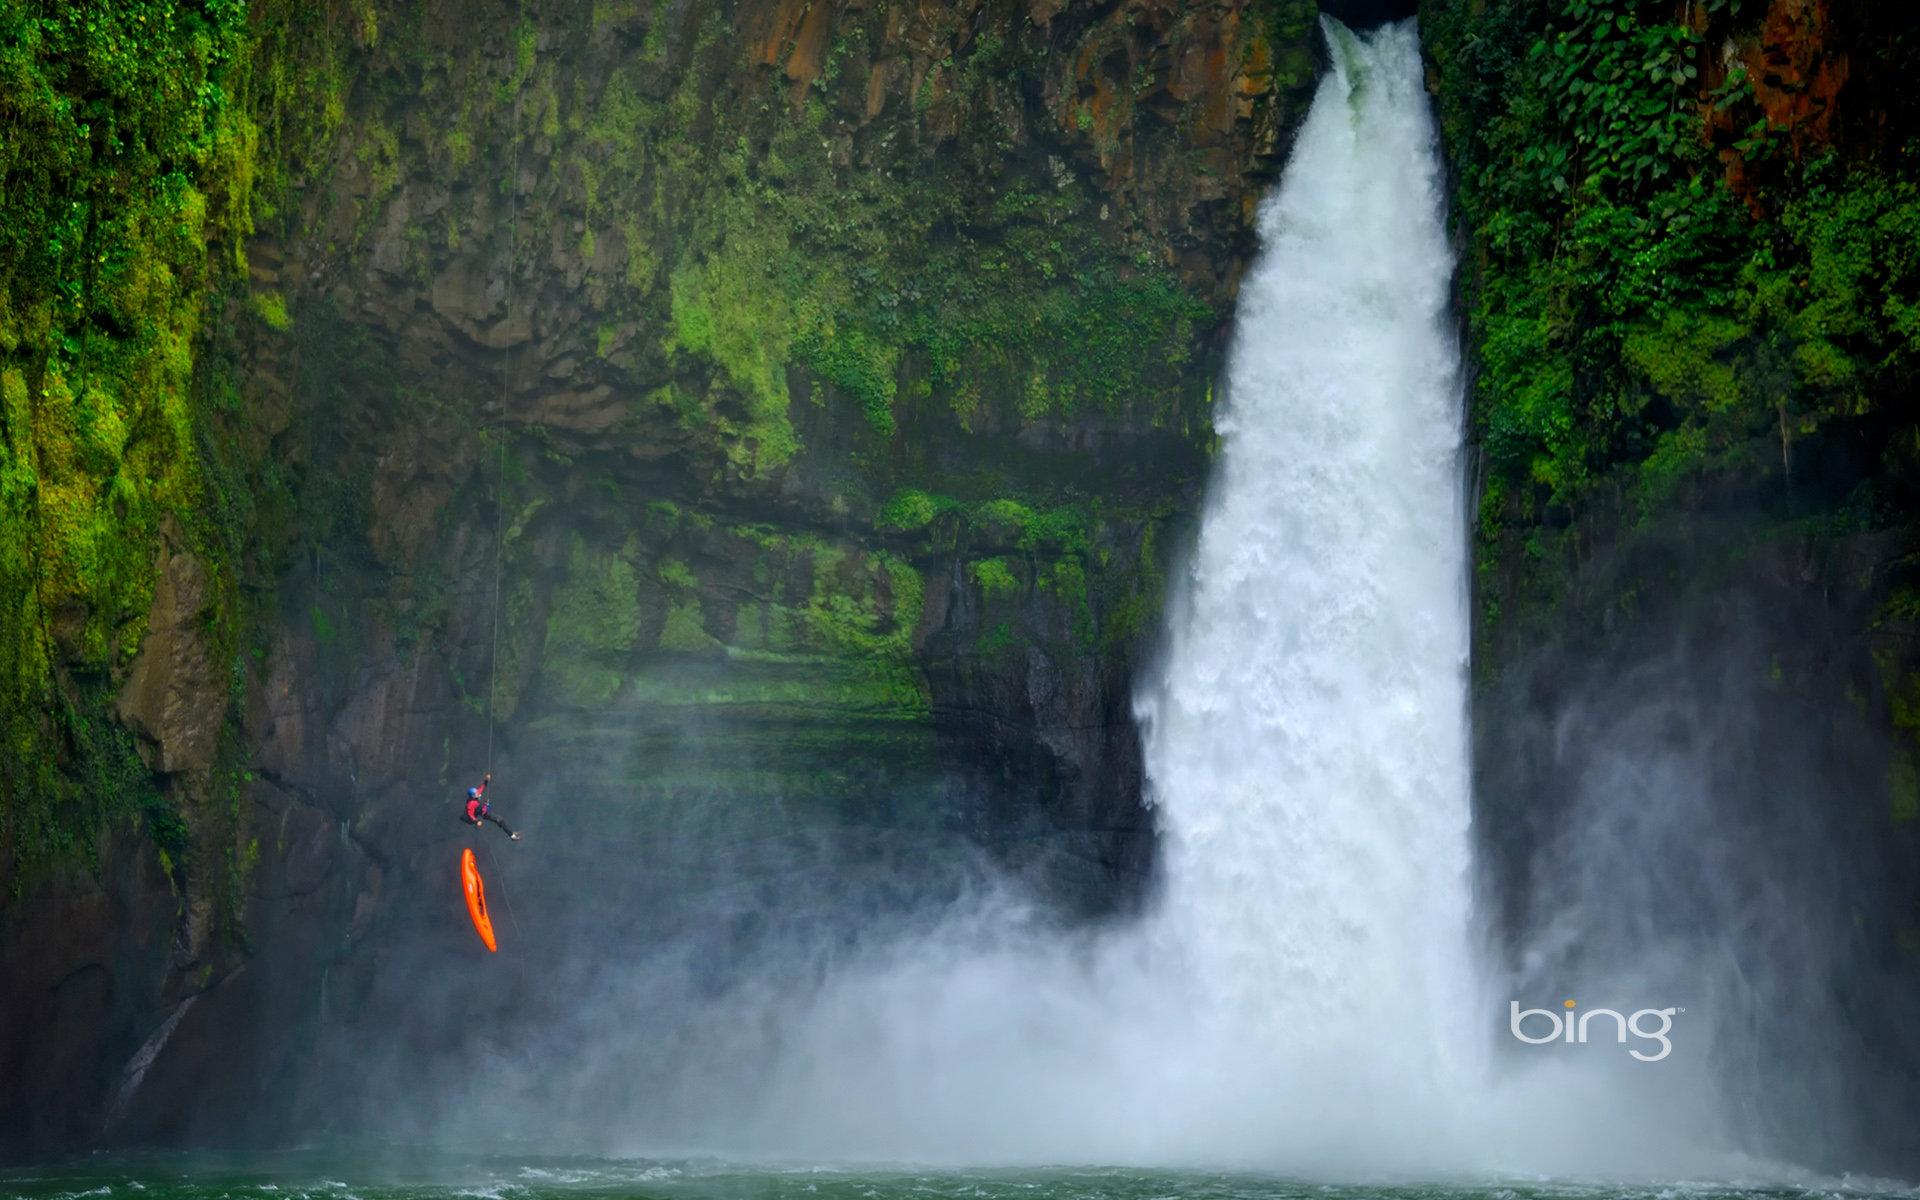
point(477, 804)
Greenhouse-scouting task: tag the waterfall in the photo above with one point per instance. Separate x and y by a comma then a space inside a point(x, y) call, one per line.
point(1306, 740)
point(1307, 732)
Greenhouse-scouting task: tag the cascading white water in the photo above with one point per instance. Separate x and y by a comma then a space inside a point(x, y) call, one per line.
point(1306, 740)
point(1307, 735)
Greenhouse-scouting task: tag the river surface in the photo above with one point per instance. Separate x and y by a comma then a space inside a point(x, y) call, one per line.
point(400, 1174)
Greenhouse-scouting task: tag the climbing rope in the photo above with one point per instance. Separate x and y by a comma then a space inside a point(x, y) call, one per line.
point(493, 656)
point(506, 399)
point(500, 885)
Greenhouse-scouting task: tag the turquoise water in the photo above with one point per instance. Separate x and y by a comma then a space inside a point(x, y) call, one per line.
point(416, 1176)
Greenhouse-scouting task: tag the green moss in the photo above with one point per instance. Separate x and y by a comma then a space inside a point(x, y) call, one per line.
point(526, 38)
point(1067, 580)
point(593, 625)
point(1282, 44)
point(1134, 614)
point(272, 307)
point(906, 599)
point(685, 628)
point(1060, 529)
point(995, 577)
point(377, 151)
point(911, 509)
point(1010, 515)
point(677, 574)
point(857, 363)
point(324, 631)
point(996, 639)
point(730, 310)
point(862, 609)
point(459, 144)
point(819, 698)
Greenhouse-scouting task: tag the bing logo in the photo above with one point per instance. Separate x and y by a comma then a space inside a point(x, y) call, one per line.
point(1651, 1025)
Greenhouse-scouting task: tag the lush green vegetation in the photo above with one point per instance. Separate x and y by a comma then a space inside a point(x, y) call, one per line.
point(127, 171)
point(1643, 328)
point(133, 170)
point(1685, 311)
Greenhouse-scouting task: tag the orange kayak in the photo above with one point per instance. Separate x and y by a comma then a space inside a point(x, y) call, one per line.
point(476, 898)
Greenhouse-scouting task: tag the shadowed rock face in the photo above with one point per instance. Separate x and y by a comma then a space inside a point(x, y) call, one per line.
point(818, 395)
point(166, 690)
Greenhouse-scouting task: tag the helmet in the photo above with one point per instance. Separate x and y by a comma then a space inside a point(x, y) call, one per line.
point(473, 793)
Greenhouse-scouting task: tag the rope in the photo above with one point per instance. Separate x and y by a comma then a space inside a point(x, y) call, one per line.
point(501, 877)
point(506, 399)
point(493, 656)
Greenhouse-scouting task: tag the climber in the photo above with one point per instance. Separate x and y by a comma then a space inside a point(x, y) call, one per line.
point(479, 808)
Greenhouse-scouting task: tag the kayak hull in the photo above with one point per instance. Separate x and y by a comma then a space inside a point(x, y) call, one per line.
point(476, 899)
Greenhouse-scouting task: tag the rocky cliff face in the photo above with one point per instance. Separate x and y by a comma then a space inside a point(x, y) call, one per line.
point(766, 424)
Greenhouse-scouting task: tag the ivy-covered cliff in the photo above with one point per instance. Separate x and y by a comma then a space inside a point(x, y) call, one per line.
point(769, 418)
point(130, 176)
point(1690, 284)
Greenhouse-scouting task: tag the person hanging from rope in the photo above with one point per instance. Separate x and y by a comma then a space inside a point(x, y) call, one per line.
point(480, 809)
